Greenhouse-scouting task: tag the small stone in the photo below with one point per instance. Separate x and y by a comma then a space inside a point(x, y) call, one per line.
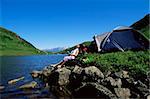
point(15, 80)
point(29, 85)
point(2, 87)
point(35, 73)
point(125, 74)
point(108, 74)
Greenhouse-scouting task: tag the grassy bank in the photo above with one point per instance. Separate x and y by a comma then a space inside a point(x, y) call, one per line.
point(137, 63)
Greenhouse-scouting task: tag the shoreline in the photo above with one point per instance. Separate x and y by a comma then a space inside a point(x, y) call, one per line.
point(74, 81)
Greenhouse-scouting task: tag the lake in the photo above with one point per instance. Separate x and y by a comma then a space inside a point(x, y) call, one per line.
point(12, 67)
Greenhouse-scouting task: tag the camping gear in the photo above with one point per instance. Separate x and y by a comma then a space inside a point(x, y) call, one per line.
point(120, 39)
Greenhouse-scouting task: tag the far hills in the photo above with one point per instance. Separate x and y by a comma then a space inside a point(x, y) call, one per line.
point(12, 44)
point(54, 50)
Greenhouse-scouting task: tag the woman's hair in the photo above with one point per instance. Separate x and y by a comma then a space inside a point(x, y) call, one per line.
point(81, 46)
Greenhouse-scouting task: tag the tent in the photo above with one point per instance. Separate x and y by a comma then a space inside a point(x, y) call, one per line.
point(121, 38)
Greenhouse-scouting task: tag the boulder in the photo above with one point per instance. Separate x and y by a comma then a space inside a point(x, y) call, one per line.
point(63, 78)
point(90, 73)
point(94, 72)
point(95, 89)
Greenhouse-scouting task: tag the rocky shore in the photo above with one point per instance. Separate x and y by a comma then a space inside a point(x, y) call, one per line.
point(76, 81)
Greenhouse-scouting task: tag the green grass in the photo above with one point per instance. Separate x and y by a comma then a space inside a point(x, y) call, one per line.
point(134, 62)
point(12, 44)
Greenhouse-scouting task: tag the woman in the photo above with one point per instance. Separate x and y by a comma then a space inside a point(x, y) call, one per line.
point(74, 53)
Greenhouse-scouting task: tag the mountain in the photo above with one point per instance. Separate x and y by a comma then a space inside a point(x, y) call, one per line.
point(143, 25)
point(12, 44)
point(57, 49)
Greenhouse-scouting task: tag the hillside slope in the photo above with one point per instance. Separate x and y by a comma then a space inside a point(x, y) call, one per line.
point(143, 25)
point(12, 44)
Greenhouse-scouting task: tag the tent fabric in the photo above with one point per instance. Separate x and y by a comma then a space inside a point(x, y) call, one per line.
point(121, 38)
point(99, 39)
point(122, 28)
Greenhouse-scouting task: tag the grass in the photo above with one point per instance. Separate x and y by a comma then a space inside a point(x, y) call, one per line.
point(134, 62)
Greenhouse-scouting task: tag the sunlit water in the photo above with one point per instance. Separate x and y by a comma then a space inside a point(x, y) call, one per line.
point(12, 67)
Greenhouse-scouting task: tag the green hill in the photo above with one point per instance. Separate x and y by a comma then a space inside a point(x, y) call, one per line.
point(12, 44)
point(143, 26)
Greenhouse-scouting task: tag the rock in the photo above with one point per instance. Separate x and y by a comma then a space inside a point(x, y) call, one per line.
point(77, 70)
point(29, 85)
point(60, 77)
point(62, 92)
point(15, 80)
point(2, 87)
point(99, 90)
point(123, 93)
point(89, 81)
point(141, 84)
point(114, 82)
point(46, 72)
point(90, 73)
point(35, 73)
point(63, 76)
point(125, 74)
point(121, 74)
point(148, 97)
point(142, 88)
point(94, 72)
point(107, 74)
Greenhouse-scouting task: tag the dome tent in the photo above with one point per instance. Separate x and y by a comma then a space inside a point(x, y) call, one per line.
point(121, 38)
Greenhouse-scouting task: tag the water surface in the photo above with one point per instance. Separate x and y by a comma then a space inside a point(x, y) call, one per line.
point(12, 67)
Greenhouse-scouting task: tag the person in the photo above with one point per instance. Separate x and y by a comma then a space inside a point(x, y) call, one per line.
point(74, 53)
point(83, 49)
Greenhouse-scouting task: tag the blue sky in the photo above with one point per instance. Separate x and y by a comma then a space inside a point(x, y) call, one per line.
point(63, 23)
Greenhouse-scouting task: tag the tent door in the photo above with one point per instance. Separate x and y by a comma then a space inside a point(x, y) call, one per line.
point(117, 45)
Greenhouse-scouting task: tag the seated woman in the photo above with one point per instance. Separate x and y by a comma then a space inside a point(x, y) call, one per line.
point(74, 53)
